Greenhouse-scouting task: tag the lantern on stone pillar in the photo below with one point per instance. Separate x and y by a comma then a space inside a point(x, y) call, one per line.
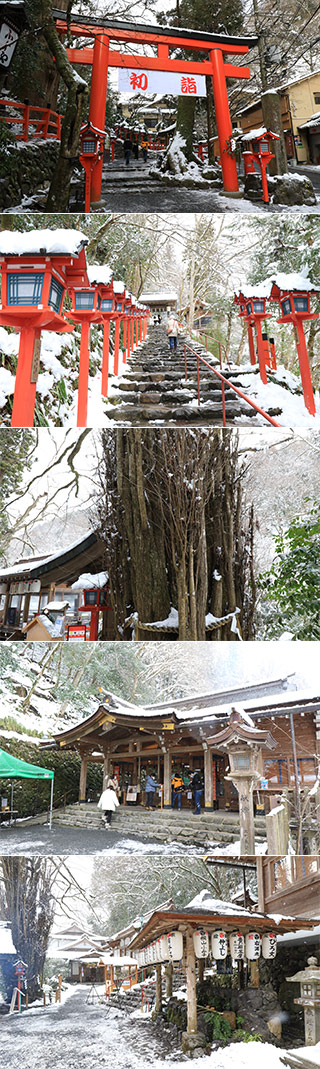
point(201, 943)
point(309, 980)
point(35, 272)
point(295, 308)
point(85, 310)
point(219, 945)
point(244, 744)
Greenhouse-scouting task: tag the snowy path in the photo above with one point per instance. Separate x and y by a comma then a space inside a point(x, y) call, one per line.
point(38, 839)
point(78, 1036)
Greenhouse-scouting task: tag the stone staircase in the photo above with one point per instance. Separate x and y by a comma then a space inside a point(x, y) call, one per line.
point(153, 387)
point(163, 825)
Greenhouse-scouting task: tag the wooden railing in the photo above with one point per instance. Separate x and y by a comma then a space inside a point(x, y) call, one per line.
point(30, 122)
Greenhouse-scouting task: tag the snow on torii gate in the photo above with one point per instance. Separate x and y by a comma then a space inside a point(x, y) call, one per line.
point(164, 39)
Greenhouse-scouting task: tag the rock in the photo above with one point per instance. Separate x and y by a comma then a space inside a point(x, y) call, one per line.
point(253, 187)
point(149, 398)
point(192, 1043)
point(291, 189)
point(230, 1016)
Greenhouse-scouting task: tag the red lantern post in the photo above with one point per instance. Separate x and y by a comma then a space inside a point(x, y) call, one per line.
point(35, 271)
point(102, 276)
point(95, 601)
point(253, 310)
point(295, 309)
point(91, 155)
point(85, 310)
point(260, 153)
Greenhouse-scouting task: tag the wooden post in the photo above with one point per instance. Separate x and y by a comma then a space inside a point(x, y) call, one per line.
point(169, 979)
point(83, 779)
point(247, 842)
point(26, 608)
point(254, 974)
point(106, 769)
point(201, 970)
point(167, 779)
point(158, 1006)
point(192, 1020)
point(208, 780)
point(6, 606)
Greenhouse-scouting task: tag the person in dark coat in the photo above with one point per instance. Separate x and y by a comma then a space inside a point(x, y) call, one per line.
point(135, 150)
point(151, 787)
point(197, 788)
point(127, 148)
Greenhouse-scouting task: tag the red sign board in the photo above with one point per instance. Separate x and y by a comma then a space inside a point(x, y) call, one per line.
point(76, 633)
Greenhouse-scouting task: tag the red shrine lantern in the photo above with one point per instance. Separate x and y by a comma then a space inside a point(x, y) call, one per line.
point(36, 269)
point(260, 153)
point(86, 301)
point(91, 152)
point(253, 310)
point(102, 276)
point(295, 308)
point(95, 601)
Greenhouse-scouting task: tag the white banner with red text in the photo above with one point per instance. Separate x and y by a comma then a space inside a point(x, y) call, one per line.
point(137, 81)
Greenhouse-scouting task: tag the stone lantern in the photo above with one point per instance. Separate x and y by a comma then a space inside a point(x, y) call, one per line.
point(244, 744)
point(309, 980)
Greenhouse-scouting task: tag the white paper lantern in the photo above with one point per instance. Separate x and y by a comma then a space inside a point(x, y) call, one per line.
point(269, 945)
point(253, 946)
point(153, 953)
point(175, 946)
point(236, 940)
point(219, 945)
point(158, 950)
point(148, 954)
point(164, 950)
point(201, 943)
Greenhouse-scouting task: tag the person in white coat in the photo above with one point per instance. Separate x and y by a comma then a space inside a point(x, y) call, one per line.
point(108, 801)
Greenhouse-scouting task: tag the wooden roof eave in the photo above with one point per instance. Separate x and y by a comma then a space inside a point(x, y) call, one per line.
point(161, 922)
point(105, 715)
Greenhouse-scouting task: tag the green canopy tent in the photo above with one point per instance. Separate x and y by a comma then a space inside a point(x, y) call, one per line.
point(12, 768)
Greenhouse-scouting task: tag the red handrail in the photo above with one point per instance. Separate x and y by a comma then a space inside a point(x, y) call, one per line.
point(223, 381)
point(43, 122)
point(220, 344)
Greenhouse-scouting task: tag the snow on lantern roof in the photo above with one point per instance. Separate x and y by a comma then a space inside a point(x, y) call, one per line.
point(99, 273)
point(256, 133)
point(292, 281)
point(118, 287)
point(42, 242)
point(91, 582)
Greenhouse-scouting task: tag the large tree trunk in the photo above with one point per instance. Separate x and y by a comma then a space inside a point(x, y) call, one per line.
point(210, 118)
point(28, 906)
point(173, 522)
point(185, 123)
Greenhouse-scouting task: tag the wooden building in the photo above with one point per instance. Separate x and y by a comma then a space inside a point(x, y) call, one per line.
point(130, 741)
point(299, 101)
point(28, 585)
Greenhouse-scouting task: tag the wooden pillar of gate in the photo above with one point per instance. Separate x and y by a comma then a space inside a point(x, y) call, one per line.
point(83, 778)
point(223, 120)
point(98, 101)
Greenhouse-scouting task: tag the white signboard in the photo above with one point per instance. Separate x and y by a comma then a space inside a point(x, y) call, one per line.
point(8, 41)
point(137, 81)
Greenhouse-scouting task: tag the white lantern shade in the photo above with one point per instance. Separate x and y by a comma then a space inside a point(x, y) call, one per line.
point(219, 945)
point(164, 950)
point(175, 946)
point(269, 945)
point(148, 954)
point(158, 950)
point(236, 940)
point(253, 946)
point(201, 943)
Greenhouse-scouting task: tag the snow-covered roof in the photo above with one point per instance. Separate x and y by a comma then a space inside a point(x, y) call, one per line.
point(313, 121)
point(6, 944)
point(258, 131)
point(56, 606)
point(290, 281)
point(42, 242)
point(161, 295)
point(91, 582)
point(99, 273)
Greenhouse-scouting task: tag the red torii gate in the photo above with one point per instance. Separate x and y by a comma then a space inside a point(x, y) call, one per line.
point(164, 39)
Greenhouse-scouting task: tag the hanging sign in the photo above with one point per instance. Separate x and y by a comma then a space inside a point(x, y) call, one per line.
point(137, 81)
point(9, 36)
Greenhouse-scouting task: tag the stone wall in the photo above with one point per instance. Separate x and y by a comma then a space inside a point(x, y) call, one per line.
point(25, 168)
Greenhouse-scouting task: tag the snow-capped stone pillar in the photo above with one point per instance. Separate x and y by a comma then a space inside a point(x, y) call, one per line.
point(83, 778)
point(223, 120)
point(167, 780)
point(208, 780)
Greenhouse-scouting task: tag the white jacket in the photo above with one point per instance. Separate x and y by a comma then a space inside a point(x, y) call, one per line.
point(108, 800)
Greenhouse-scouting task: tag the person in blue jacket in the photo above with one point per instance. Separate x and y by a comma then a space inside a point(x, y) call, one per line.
point(151, 787)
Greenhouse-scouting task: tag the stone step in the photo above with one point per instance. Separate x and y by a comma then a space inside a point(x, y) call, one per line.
point(163, 826)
